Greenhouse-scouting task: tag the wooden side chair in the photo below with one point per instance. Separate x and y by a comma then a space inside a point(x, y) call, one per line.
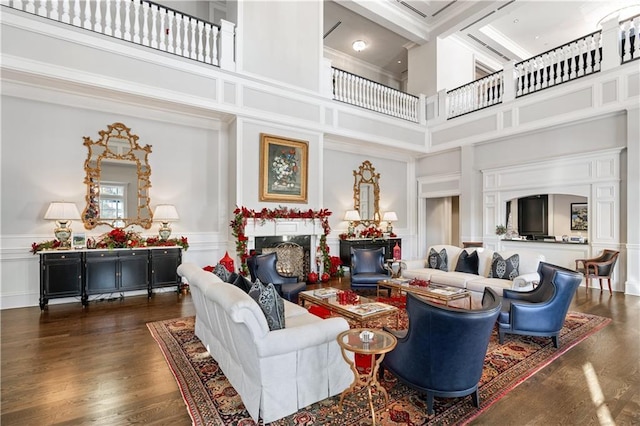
point(600, 267)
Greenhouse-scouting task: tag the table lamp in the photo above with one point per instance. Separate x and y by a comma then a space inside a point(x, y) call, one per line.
point(390, 217)
point(63, 213)
point(352, 216)
point(165, 213)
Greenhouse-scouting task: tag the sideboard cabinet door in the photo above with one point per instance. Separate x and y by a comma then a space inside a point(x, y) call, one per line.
point(101, 273)
point(60, 276)
point(164, 263)
point(134, 270)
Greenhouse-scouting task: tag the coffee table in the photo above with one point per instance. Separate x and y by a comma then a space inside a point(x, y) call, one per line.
point(441, 293)
point(364, 311)
point(379, 344)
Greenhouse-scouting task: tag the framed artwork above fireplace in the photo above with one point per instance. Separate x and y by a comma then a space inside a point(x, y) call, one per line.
point(283, 169)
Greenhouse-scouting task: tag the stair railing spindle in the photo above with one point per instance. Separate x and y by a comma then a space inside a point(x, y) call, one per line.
point(136, 22)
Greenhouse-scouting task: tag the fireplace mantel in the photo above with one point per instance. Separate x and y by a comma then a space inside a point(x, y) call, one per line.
point(281, 227)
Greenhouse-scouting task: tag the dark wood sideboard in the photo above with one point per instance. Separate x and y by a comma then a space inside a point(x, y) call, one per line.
point(387, 243)
point(81, 273)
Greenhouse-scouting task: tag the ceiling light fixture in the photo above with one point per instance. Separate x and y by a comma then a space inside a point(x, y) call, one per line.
point(359, 45)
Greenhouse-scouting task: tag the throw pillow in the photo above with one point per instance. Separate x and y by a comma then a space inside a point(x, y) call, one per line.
point(438, 260)
point(468, 262)
point(505, 268)
point(222, 272)
point(232, 277)
point(270, 302)
point(242, 283)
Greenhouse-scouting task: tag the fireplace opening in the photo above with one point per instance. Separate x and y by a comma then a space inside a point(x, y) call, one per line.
point(288, 258)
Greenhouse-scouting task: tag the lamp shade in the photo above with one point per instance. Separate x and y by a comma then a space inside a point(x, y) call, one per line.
point(62, 210)
point(352, 215)
point(390, 217)
point(165, 213)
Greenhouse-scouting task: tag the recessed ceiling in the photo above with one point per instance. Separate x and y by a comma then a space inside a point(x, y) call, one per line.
point(384, 48)
point(500, 29)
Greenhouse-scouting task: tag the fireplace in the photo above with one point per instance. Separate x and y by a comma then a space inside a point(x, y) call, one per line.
point(279, 244)
point(270, 233)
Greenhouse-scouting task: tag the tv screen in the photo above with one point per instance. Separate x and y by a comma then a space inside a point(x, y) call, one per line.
point(532, 215)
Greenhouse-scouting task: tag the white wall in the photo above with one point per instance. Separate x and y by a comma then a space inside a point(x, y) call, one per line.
point(42, 161)
point(338, 188)
point(281, 40)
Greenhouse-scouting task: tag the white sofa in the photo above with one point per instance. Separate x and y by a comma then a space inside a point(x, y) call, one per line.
point(527, 269)
point(278, 372)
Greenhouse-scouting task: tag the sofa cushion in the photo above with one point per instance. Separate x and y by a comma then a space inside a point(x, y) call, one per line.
point(242, 283)
point(467, 262)
point(270, 302)
point(453, 279)
point(505, 268)
point(222, 272)
point(438, 260)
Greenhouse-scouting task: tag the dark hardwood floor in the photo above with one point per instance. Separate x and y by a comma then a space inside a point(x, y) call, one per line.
point(100, 365)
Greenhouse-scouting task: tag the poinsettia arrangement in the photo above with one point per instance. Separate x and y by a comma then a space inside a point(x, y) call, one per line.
point(242, 214)
point(371, 232)
point(119, 238)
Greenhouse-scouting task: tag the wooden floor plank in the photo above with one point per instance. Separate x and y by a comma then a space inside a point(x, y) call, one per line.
point(101, 366)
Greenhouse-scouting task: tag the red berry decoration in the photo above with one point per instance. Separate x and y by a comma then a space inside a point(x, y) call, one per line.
point(325, 277)
point(312, 277)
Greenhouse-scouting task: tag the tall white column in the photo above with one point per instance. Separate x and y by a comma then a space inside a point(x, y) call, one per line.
point(632, 284)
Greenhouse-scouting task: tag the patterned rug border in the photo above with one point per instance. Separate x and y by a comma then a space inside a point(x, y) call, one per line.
point(203, 414)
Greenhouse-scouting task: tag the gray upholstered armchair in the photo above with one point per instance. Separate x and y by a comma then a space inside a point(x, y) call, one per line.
point(367, 268)
point(442, 353)
point(541, 311)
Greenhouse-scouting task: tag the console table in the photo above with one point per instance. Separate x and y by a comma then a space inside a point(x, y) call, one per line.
point(80, 273)
point(359, 243)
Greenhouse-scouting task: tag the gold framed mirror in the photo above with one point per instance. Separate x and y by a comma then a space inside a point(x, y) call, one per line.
point(118, 180)
point(366, 194)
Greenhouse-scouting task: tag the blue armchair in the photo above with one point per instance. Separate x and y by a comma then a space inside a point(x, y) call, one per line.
point(442, 353)
point(367, 268)
point(263, 267)
point(541, 311)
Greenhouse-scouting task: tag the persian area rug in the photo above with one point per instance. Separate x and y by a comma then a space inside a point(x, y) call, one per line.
point(211, 400)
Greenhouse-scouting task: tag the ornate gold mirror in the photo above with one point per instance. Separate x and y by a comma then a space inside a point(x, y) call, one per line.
point(366, 194)
point(117, 180)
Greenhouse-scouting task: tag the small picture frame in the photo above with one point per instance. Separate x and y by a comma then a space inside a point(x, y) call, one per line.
point(79, 240)
point(283, 169)
point(579, 217)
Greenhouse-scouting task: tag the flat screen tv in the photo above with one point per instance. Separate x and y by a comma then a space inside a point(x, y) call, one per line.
point(533, 216)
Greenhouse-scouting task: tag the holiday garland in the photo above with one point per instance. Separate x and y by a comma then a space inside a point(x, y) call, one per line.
point(242, 214)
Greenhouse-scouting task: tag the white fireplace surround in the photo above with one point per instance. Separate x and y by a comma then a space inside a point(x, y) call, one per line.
point(284, 228)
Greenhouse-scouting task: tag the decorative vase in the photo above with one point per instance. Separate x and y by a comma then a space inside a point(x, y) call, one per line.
point(324, 277)
point(312, 277)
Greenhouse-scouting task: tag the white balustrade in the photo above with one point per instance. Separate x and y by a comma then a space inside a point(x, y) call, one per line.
point(373, 96)
point(142, 23)
point(630, 48)
point(573, 60)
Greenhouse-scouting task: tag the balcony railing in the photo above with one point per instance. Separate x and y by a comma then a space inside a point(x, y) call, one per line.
point(359, 91)
point(138, 21)
point(149, 24)
point(565, 63)
point(476, 95)
point(630, 45)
